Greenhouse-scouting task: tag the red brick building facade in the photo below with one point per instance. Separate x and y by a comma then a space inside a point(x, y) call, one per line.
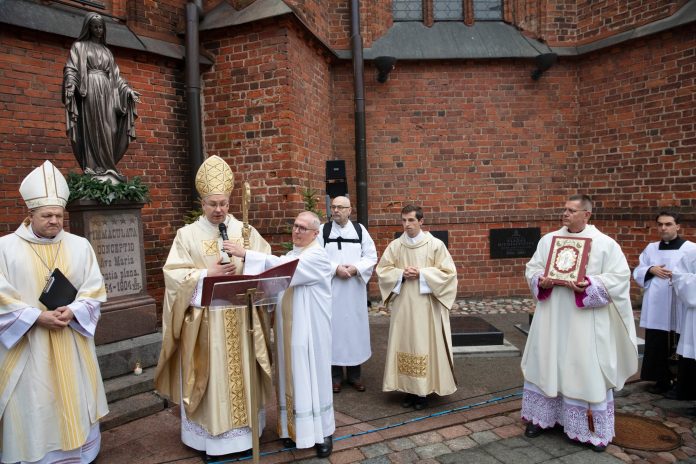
point(473, 139)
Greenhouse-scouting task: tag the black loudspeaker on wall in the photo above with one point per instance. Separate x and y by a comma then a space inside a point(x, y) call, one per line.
point(336, 184)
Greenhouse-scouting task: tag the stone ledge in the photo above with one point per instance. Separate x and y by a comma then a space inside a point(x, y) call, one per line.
point(130, 409)
point(128, 385)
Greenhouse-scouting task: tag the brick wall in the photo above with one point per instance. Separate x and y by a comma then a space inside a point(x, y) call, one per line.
point(245, 117)
point(268, 112)
point(32, 129)
point(559, 24)
point(637, 136)
point(477, 144)
point(311, 109)
point(525, 14)
point(597, 19)
point(330, 21)
point(160, 19)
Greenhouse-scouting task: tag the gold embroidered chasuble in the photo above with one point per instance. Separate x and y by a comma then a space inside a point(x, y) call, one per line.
point(419, 351)
point(203, 362)
point(54, 371)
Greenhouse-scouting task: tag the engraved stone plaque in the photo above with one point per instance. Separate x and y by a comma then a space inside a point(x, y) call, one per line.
point(116, 234)
point(518, 242)
point(116, 241)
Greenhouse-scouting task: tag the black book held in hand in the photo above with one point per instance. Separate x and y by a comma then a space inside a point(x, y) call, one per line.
point(58, 291)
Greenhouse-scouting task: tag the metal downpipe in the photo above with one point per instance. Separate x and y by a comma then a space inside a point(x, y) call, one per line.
point(193, 92)
point(359, 88)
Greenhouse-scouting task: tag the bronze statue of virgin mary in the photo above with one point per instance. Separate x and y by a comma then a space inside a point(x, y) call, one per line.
point(99, 103)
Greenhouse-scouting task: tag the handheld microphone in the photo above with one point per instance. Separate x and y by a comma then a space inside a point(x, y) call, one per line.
point(223, 231)
point(223, 234)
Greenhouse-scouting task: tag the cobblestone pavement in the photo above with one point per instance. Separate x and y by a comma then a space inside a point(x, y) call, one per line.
point(500, 439)
point(475, 306)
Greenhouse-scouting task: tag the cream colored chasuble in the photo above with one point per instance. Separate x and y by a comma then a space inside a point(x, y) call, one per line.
point(419, 351)
point(55, 371)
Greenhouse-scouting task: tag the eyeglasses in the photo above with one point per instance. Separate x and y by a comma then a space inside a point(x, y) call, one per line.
point(301, 229)
point(339, 207)
point(571, 211)
point(222, 205)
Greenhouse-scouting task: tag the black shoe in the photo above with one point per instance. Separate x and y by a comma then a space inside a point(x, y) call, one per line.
point(532, 430)
point(420, 402)
point(408, 400)
point(357, 384)
point(598, 448)
point(288, 443)
point(659, 388)
point(324, 449)
point(671, 394)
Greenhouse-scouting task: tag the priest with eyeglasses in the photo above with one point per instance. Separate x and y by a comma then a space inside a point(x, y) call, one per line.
point(203, 363)
point(303, 339)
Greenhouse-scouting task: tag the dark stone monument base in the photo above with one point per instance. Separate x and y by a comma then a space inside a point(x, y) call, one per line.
point(474, 331)
point(126, 317)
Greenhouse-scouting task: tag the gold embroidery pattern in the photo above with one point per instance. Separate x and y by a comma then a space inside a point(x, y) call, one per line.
point(290, 405)
point(210, 247)
point(234, 367)
point(214, 176)
point(412, 365)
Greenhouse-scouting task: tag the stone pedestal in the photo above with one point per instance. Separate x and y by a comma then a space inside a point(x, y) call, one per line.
point(116, 234)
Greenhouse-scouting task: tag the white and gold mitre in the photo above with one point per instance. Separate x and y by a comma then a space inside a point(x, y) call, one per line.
point(44, 186)
point(214, 177)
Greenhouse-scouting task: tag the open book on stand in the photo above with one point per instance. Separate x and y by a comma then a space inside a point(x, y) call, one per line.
point(268, 283)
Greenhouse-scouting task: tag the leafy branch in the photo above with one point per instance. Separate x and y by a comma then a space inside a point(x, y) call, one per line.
point(87, 187)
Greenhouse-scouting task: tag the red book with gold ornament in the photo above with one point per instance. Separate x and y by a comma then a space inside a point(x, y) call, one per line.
point(568, 258)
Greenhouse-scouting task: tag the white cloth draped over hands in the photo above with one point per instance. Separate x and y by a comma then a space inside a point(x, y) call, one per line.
point(656, 310)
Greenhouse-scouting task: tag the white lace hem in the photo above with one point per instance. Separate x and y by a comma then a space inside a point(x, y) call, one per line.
point(571, 414)
point(231, 441)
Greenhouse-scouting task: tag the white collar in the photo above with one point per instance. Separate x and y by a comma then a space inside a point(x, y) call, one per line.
point(416, 239)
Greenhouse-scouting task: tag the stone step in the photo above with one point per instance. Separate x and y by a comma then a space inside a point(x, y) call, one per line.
point(124, 386)
point(132, 408)
point(119, 358)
